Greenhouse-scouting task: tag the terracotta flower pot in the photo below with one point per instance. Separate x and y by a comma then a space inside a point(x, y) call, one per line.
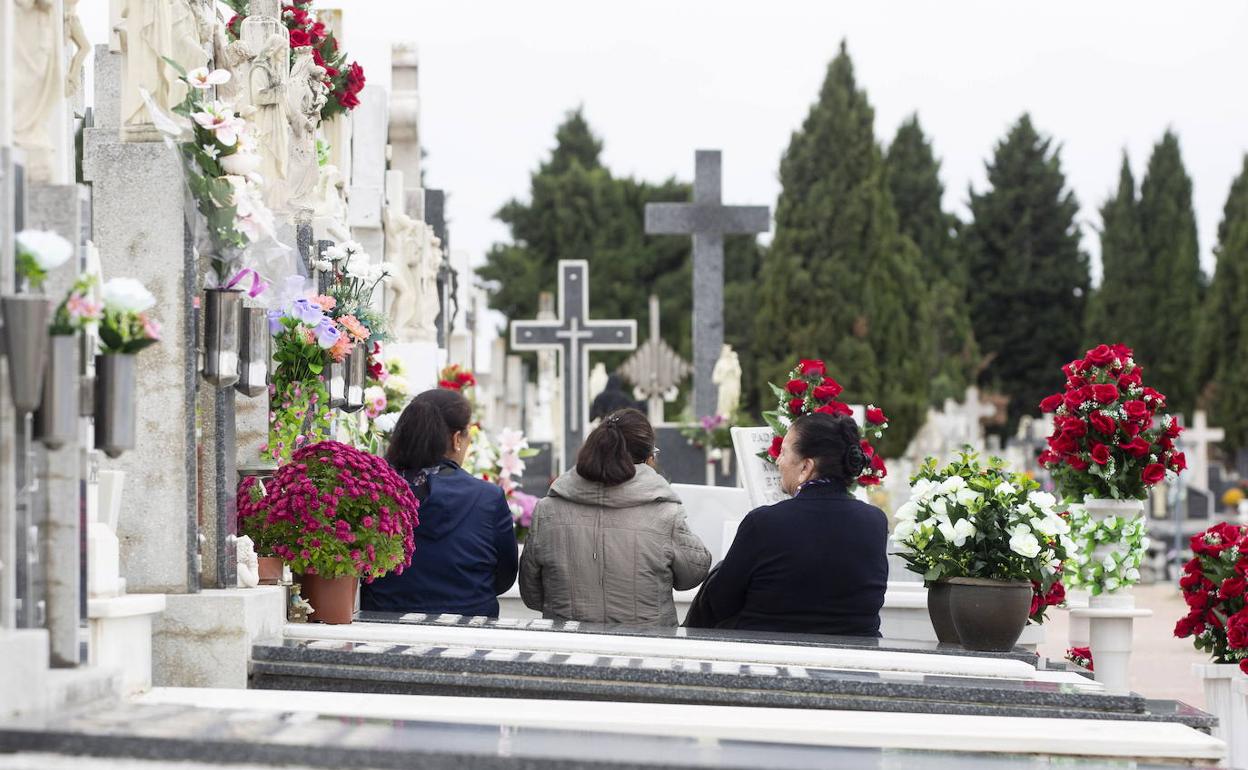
point(333, 599)
point(989, 615)
point(270, 570)
point(938, 610)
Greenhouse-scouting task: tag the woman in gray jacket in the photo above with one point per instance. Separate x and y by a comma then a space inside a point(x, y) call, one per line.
point(610, 541)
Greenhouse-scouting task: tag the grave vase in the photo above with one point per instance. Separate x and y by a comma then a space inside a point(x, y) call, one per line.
point(26, 346)
point(56, 422)
point(1226, 697)
point(989, 615)
point(271, 568)
point(332, 599)
point(115, 377)
point(939, 611)
point(337, 384)
point(1101, 509)
point(254, 343)
point(355, 372)
point(222, 308)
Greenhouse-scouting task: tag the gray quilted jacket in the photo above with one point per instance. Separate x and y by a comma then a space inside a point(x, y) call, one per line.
point(602, 554)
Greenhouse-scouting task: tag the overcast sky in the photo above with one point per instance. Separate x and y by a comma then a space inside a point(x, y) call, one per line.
point(659, 79)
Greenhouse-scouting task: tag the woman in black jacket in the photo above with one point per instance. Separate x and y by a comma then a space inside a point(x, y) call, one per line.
point(815, 563)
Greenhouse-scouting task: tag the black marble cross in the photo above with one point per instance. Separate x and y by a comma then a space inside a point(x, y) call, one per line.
point(573, 334)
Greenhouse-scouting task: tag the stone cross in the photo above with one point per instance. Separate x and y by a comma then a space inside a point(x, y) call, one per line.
point(708, 221)
point(573, 334)
point(1197, 439)
point(655, 369)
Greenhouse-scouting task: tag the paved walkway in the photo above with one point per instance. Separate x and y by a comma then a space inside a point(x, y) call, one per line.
point(1161, 666)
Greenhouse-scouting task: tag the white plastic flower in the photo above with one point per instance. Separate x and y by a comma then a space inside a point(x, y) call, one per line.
point(1112, 584)
point(46, 248)
point(923, 489)
point(951, 484)
point(358, 269)
point(965, 496)
point(1109, 563)
point(1132, 575)
point(219, 118)
point(126, 295)
point(201, 78)
point(958, 532)
point(241, 163)
point(938, 506)
point(386, 422)
point(1042, 500)
point(336, 253)
point(905, 528)
point(1005, 488)
point(512, 440)
point(908, 511)
point(372, 393)
point(398, 384)
point(1023, 542)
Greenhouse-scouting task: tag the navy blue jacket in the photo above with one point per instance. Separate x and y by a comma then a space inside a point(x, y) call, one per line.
point(465, 555)
point(816, 563)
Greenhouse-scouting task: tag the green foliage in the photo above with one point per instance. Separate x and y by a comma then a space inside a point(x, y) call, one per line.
point(914, 182)
point(1223, 361)
point(1119, 310)
point(1172, 281)
point(578, 210)
point(1030, 279)
point(840, 281)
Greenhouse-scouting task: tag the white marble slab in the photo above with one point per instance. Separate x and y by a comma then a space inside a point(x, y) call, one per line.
point(866, 729)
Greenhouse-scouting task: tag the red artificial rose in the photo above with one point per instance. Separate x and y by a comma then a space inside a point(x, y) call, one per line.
point(1153, 473)
point(1191, 580)
point(1196, 600)
point(1132, 429)
point(1136, 447)
point(317, 31)
point(809, 366)
point(1100, 454)
point(448, 385)
point(1056, 595)
point(835, 408)
point(1174, 428)
point(355, 76)
point(299, 38)
point(1237, 629)
point(1232, 588)
point(1048, 457)
point(465, 378)
point(1101, 355)
point(1158, 400)
point(867, 449)
point(1178, 462)
point(348, 101)
point(1050, 404)
point(1075, 398)
point(877, 465)
point(1074, 427)
point(1243, 665)
point(827, 392)
point(796, 387)
point(1077, 462)
point(1130, 379)
point(1037, 601)
point(1136, 410)
point(1106, 394)
point(875, 416)
point(1102, 423)
point(774, 449)
point(868, 481)
point(796, 404)
point(1121, 351)
point(1062, 443)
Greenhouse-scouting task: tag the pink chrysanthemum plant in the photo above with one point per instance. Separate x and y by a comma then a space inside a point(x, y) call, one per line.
point(333, 511)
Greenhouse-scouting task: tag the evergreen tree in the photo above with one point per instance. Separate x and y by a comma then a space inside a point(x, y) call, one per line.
point(578, 210)
point(1224, 339)
point(1031, 279)
point(1118, 311)
point(914, 182)
point(1175, 283)
point(840, 281)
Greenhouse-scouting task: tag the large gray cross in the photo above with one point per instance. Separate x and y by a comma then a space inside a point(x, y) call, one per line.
point(573, 335)
point(708, 221)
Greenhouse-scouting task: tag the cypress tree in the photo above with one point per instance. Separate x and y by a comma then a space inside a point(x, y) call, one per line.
point(840, 281)
point(578, 210)
point(914, 182)
point(1118, 310)
point(1224, 339)
point(1031, 278)
point(1175, 283)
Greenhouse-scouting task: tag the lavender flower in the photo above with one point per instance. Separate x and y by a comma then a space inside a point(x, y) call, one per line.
point(327, 333)
point(275, 322)
point(307, 313)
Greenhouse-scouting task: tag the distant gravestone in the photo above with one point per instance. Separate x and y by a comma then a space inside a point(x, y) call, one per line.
point(573, 334)
point(1196, 441)
point(708, 220)
point(655, 370)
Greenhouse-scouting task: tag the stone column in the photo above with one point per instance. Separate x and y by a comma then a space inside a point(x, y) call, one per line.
point(139, 228)
point(61, 209)
point(368, 170)
point(8, 486)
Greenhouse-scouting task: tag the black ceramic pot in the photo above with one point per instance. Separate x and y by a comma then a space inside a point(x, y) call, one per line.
point(938, 610)
point(989, 615)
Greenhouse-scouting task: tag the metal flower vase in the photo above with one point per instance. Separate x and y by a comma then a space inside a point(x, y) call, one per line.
point(115, 381)
point(56, 422)
point(337, 384)
point(253, 353)
point(357, 371)
point(26, 337)
point(221, 313)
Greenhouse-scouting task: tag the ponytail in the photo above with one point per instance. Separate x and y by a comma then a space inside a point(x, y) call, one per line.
point(613, 450)
point(423, 433)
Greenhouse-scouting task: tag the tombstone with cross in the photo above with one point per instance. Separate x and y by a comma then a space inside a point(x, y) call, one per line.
point(573, 334)
point(1195, 441)
point(708, 220)
point(655, 369)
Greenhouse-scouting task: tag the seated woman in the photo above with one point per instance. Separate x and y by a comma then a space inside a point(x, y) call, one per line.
point(466, 544)
point(610, 541)
point(815, 563)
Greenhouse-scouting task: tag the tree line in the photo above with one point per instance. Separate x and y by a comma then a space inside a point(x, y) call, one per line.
point(907, 303)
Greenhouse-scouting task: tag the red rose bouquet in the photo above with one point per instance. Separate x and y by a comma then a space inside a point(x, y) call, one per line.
point(1214, 583)
point(333, 511)
point(810, 390)
point(456, 377)
point(345, 80)
point(1109, 440)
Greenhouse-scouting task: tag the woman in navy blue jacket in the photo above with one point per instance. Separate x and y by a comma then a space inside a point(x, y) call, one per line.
point(466, 551)
point(815, 563)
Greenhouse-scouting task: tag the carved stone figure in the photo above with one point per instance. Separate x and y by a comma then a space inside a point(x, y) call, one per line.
point(248, 562)
point(306, 95)
point(329, 206)
point(37, 84)
point(727, 377)
point(153, 30)
point(76, 36)
point(260, 62)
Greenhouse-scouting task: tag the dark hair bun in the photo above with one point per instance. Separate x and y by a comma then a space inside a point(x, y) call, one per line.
point(833, 443)
point(612, 451)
